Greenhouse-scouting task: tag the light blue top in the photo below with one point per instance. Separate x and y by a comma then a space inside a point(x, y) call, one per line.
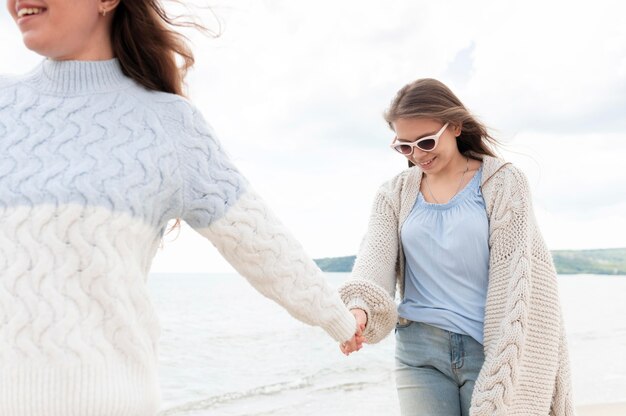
point(447, 262)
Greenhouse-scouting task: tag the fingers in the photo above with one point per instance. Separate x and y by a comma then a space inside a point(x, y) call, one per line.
point(356, 342)
point(347, 348)
point(352, 345)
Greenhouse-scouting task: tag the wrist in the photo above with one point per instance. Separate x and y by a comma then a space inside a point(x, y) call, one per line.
point(362, 312)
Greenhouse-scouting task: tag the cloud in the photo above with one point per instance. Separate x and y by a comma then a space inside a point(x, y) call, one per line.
point(556, 67)
point(296, 90)
point(578, 186)
point(573, 173)
point(312, 63)
point(551, 83)
point(460, 70)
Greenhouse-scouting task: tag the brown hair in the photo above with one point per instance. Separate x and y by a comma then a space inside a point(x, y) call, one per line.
point(147, 47)
point(429, 98)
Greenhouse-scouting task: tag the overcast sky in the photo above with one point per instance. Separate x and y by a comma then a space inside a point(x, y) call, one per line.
point(296, 89)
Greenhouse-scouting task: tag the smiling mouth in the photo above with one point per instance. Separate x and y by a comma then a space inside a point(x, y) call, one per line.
point(426, 163)
point(30, 11)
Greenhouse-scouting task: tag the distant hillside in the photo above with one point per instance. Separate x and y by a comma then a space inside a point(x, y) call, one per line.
point(606, 261)
point(603, 261)
point(336, 264)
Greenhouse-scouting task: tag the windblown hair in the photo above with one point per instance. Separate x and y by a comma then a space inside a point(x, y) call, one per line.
point(429, 98)
point(147, 46)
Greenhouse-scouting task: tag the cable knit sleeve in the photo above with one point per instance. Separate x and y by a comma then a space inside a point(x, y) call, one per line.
point(373, 281)
point(219, 204)
point(505, 338)
point(523, 328)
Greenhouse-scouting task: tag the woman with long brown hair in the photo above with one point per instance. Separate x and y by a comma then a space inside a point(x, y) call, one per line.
point(98, 151)
point(478, 328)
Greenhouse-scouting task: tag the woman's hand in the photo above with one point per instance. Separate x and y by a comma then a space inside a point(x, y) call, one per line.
point(356, 342)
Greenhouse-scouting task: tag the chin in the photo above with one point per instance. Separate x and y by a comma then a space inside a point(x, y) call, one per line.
point(35, 44)
point(41, 45)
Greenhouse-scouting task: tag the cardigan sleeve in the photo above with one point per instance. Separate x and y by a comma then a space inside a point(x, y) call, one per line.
point(523, 327)
point(373, 280)
point(219, 203)
point(563, 402)
point(509, 291)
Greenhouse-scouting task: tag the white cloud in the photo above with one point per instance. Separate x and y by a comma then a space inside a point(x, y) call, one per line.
point(578, 184)
point(552, 66)
point(296, 91)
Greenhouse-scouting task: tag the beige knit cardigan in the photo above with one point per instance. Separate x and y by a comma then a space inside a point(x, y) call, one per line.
point(526, 368)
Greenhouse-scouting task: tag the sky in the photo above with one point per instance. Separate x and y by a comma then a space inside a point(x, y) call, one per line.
point(296, 90)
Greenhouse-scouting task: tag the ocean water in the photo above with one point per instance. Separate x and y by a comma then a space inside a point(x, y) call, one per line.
point(227, 350)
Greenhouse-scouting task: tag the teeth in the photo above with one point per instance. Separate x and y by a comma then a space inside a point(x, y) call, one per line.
point(427, 162)
point(29, 11)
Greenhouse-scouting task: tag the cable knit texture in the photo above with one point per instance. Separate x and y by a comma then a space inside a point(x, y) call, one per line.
point(92, 167)
point(526, 369)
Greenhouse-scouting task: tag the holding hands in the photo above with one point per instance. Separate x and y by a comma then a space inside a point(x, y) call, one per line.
point(356, 342)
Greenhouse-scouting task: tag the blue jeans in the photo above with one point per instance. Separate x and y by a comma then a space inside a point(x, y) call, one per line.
point(435, 370)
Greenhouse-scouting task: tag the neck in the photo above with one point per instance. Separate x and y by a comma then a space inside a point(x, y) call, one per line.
point(97, 48)
point(101, 54)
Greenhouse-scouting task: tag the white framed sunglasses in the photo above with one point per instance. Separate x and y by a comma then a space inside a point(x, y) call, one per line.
point(427, 144)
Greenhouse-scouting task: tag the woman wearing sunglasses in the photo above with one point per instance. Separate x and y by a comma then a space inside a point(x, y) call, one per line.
point(478, 327)
point(98, 151)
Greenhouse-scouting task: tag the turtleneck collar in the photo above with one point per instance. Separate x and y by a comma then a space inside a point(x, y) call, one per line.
point(78, 77)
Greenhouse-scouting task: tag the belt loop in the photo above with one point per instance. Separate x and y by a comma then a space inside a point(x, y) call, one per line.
point(403, 321)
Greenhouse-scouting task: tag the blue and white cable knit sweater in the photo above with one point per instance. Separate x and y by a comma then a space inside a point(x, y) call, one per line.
point(92, 166)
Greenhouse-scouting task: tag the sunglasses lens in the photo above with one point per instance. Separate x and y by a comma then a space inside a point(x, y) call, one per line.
point(428, 144)
point(405, 149)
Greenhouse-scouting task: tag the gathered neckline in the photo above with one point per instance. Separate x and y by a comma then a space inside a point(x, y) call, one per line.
point(456, 198)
